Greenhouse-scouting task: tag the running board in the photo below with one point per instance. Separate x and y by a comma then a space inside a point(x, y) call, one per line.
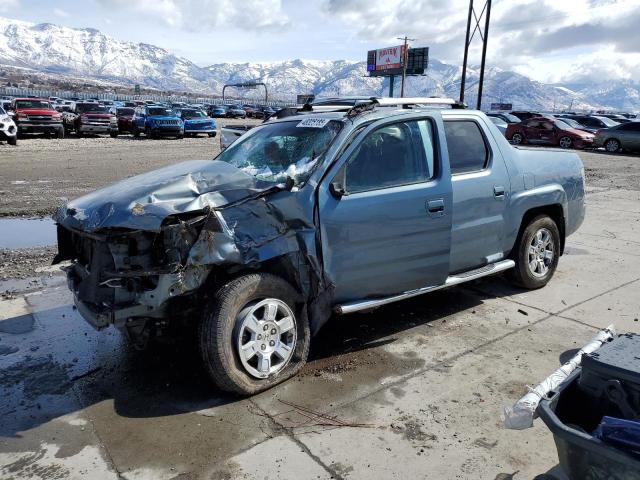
point(451, 281)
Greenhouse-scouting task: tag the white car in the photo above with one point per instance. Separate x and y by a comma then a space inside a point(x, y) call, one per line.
point(8, 129)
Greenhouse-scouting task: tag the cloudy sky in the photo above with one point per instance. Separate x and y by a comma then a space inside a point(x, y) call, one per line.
point(548, 40)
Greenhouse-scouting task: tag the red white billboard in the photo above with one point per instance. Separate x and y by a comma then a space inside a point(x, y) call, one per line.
point(390, 57)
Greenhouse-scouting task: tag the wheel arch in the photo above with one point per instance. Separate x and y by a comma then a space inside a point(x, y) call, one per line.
point(612, 138)
point(554, 211)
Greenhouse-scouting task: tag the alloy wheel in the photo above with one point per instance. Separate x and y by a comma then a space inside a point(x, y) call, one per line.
point(541, 253)
point(266, 337)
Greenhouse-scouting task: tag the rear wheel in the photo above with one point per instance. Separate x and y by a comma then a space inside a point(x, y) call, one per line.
point(536, 253)
point(12, 140)
point(612, 145)
point(517, 138)
point(254, 334)
point(565, 142)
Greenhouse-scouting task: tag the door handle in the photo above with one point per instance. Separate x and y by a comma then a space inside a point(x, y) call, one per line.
point(435, 206)
point(498, 191)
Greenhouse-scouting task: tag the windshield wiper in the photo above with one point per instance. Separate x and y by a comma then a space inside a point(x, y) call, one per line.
point(287, 185)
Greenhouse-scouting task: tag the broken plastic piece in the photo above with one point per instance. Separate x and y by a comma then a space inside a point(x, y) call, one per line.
point(521, 414)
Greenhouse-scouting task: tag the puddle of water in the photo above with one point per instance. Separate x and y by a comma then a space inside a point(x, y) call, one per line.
point(27, 232)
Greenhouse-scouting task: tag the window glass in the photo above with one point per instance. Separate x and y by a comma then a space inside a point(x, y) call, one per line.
point(466, 145)
point(397, 154)
point(532, 124)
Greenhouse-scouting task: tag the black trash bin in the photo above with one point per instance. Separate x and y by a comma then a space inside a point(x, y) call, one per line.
point(576, 408)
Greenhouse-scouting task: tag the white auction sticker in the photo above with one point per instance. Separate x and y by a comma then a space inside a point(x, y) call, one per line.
point(313, 122)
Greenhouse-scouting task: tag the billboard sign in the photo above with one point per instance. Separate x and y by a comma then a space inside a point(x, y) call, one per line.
point(501, 106)
point(388, 61)
point(389, 58)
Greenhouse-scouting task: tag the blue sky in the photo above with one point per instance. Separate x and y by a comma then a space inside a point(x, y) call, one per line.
point(546, 39)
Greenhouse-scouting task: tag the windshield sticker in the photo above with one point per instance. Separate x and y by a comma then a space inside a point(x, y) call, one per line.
point(313, 122)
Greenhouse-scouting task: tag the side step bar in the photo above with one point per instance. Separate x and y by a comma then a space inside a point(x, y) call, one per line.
point(451, 281)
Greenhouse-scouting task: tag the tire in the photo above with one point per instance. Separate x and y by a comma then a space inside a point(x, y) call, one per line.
point(222, 330)
point(79, 133)
point(12, 140)
point(60, 133)
point(517, 138)
point(136, 132)
point(148, 133)
point(523, 274)
point(212, 135)
point(565, 142)
point(612, 145)
point(113, 135)
point(180, 137)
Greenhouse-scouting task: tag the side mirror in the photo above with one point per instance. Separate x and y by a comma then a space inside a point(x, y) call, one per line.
point(337, 186)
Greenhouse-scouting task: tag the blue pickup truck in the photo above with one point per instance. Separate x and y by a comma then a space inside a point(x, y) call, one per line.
point(156, 121)
point(312, 215)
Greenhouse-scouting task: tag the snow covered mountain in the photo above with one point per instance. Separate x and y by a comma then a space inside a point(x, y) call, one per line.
point(88, 53)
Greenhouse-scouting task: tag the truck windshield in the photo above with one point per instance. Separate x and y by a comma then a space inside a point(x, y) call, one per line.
point(33, 104)
point(160, 112)
point(276, 151)
point(90, 107)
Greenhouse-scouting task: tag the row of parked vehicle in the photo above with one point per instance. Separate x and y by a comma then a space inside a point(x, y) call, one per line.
point(60, 117)
point(613, 132)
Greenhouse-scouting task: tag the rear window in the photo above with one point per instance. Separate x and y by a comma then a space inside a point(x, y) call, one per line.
point(468, 151)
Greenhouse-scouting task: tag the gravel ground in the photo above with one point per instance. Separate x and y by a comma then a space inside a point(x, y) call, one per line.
point(25, 262)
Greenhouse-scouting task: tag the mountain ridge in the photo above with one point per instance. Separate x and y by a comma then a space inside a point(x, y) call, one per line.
point(87, 52)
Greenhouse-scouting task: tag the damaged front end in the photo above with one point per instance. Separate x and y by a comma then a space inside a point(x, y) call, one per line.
point(141, 250)
point(126, 277)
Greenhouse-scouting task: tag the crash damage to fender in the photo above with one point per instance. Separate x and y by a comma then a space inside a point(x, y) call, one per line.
point(142, 249)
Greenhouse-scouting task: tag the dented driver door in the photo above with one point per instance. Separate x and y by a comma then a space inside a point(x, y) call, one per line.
point(385, 211)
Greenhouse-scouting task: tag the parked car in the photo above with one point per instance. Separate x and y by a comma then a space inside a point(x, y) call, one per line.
point(196, 121)
point(124, 115)
point(35, 115)
point(542, 130)
point(313, 215)
point(236, 112)
point(500, 123)
point(157, 121)
point(625, 136)
point(218, 111)
point(90, 117)
point(249, 110)
point(506, 117)
point(8, 129)
point(615, 117)
point(593, 121)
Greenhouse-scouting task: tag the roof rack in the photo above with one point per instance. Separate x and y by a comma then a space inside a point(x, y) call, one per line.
point(405, 102)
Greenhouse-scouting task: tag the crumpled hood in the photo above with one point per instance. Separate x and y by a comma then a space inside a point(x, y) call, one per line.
point(144, 201)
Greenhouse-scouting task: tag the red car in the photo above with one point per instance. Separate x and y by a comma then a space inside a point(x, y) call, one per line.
point(546, 131)
point(125, 117)
point(36, 115)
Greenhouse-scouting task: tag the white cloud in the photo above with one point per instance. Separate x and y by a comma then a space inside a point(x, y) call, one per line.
point(201, 15)
point(58, 12)
point(546, 39)
point(8, 6)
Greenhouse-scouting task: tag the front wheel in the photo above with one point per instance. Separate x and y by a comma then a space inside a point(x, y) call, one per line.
point(517, 139)
point(254, 334)
point(12, 140)
point(136, 132)
point(113, 135)
point(536, 253)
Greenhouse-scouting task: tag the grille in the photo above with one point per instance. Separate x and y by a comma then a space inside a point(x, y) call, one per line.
point(40, 118)
point(168, 122)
